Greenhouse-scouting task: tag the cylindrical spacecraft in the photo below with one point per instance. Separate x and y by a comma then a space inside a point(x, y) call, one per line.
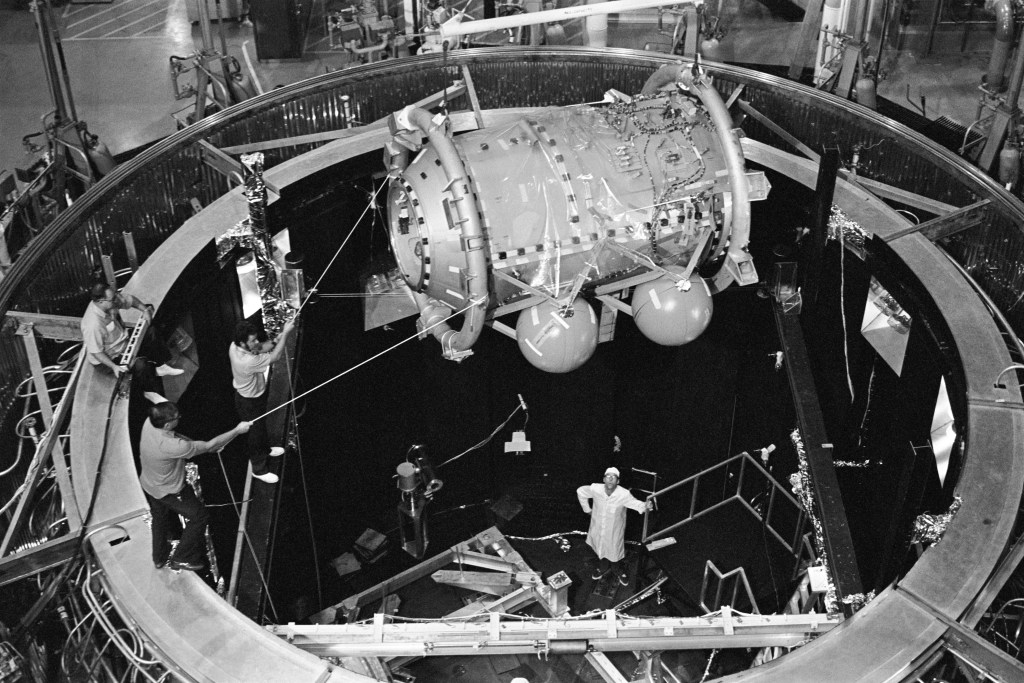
point(563, 202)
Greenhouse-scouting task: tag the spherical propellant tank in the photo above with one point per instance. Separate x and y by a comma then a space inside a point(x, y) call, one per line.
point(557, 339)
point(672, 310)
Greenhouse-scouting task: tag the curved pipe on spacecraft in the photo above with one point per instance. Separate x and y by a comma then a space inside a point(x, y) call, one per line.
point(739, 235)
point(433, 313)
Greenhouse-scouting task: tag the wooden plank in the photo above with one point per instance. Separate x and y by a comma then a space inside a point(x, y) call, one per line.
point(941, 227)
point(61, 327)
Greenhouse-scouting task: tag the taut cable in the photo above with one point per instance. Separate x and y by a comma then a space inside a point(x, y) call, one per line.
point(371, 203)
point(371, 358)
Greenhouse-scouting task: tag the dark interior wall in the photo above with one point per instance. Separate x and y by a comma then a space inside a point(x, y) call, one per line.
point(881, 433)
point(676, 410)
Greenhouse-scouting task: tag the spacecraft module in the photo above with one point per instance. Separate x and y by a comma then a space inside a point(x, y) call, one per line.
point(642, 199)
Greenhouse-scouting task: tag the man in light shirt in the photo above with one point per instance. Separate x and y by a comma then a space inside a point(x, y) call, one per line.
point(251, 357)
point(162, 453)
point(607, 504)
point(105, 338)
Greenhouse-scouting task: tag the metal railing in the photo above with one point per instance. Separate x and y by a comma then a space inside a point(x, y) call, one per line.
point(736, 579)
point(740, 479)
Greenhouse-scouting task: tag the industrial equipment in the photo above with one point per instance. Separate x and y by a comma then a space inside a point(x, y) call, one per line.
point(418, 484)
point(572, 208)
point(66, 158)
point(212, 91)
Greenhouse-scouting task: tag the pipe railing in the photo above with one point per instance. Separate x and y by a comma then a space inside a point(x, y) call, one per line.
point(725, 483)
point(739, 580)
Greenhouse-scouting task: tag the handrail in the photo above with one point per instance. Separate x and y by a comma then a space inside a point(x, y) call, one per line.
point(738, 571)
point(743, 458)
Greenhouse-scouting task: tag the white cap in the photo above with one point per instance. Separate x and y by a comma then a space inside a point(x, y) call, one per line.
point(611, 470)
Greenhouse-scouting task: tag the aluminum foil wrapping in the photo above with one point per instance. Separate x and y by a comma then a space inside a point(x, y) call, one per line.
point(898, 318)
point(251, 234)
point(858, 600)
point(929, 528)
point(804, 492)
point(842, 228)
point(192, 479)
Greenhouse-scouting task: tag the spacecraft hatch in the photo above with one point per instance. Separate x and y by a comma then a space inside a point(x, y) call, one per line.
point(570, 215)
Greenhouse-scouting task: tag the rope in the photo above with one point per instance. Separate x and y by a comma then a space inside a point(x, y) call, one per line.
point(371, 358)
point(372, 202)
point(305, 489)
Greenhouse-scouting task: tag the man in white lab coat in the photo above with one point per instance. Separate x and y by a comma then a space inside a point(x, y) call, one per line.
point(607, 502)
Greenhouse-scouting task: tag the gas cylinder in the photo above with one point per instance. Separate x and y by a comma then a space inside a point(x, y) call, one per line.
point(98, 153)
point(1009, 164)
point(239, 83)
point(866, 92)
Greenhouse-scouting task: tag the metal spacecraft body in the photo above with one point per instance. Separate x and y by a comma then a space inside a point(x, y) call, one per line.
point(634, 204)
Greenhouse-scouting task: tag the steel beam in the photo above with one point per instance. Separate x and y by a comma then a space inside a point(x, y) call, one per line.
point(40, 558)
point(60, 467)
point(48, 326)
point(829, 499)
point(949, 224)
point(895, 194)
point(602, 633)
point(43, 451)
point(779, 130)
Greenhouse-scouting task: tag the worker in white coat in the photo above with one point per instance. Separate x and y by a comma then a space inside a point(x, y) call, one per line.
point(607, 503)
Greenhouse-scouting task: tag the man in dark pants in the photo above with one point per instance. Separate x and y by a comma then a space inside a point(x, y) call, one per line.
point(163, 453)
point(250, 358)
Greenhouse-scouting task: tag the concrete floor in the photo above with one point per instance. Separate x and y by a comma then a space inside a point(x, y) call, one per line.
point(118, 53)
